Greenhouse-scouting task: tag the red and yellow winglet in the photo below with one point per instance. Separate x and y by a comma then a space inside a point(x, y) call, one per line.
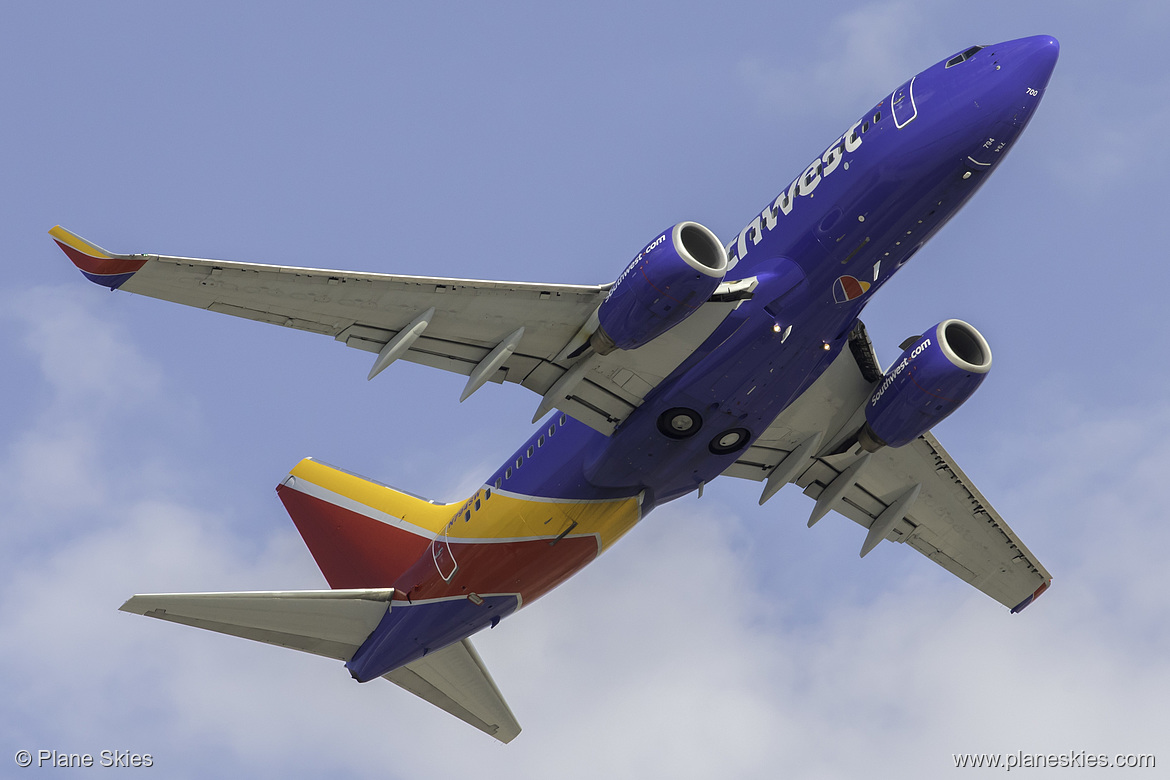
point(1043, 587)
point(98, 265)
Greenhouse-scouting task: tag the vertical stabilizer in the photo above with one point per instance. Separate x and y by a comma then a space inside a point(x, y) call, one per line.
point(361, 533)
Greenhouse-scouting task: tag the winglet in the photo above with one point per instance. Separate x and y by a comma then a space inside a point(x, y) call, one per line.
point(1043, 587)
point(98, 265)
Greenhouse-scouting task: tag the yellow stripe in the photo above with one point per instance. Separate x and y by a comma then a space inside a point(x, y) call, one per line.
point(415, 511)
point(505, 517)
point(77, 242)
point(498, 517)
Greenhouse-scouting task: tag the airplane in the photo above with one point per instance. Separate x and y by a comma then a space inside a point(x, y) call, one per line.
point(700, 360)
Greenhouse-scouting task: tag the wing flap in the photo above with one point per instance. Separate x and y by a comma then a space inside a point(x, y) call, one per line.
point(274, 318)
point(456, 680)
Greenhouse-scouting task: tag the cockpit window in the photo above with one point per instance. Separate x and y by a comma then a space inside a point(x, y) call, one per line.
point(963, 56)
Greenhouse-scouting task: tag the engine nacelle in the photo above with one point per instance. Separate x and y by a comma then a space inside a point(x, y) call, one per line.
point(931, 379)
point(666, 283)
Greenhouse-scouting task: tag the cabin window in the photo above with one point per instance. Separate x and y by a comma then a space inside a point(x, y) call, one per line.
point(562, 419)
point(540, 441)
point(520, 461)
point(508, 473)
point(477, 505)
point(498, 481)
point(467, 516)
point(530, 451)
point(552, 429)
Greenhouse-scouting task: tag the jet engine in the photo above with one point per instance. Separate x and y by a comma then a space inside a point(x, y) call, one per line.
point(666, 283)
point(935, 374)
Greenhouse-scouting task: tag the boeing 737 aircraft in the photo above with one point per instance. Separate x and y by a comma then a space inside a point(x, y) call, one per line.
point(700, 360)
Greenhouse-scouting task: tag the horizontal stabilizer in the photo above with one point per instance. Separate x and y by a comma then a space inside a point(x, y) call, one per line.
point(455, 679)
point(334, 624)
point(331, 623)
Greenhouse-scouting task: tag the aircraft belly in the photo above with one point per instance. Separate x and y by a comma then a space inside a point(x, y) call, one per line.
point(410, 631)
point(742, 391)
point(845, 245)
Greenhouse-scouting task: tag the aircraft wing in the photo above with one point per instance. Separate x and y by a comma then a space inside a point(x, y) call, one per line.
point(490, 331)
point(914, 495)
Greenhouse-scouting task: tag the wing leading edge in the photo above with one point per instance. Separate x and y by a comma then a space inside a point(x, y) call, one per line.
point(914, 495)
point(489, 331)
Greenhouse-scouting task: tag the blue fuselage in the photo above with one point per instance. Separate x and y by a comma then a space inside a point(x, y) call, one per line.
point(818, 251)
point(840, 230)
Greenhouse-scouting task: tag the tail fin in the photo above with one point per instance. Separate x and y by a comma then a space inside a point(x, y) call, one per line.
point(361, 533)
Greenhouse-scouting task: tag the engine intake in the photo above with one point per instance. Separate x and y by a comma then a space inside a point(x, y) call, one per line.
point(666, 283)
point(929, 380)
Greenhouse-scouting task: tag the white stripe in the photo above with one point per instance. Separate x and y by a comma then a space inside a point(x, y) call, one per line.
point(546, 500)
point(303, 485)
point(508, 539)
point(442, 599)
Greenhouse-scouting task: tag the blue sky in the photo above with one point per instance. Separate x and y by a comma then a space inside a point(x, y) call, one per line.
point(142, 441)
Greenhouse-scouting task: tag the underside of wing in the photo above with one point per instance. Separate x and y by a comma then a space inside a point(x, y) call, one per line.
point(489, 331)
point(914, 495)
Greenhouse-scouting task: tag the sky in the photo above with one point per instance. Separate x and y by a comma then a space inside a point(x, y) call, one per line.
point(141, 441)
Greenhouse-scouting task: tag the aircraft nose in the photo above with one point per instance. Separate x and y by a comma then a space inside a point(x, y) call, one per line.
point(1032, 60)
point(1004, 103)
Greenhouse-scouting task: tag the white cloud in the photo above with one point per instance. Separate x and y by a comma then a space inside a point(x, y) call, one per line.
point(676, 654)
point(673, 655)
point(665, 658)
point(90, 364)
point(863, 54)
